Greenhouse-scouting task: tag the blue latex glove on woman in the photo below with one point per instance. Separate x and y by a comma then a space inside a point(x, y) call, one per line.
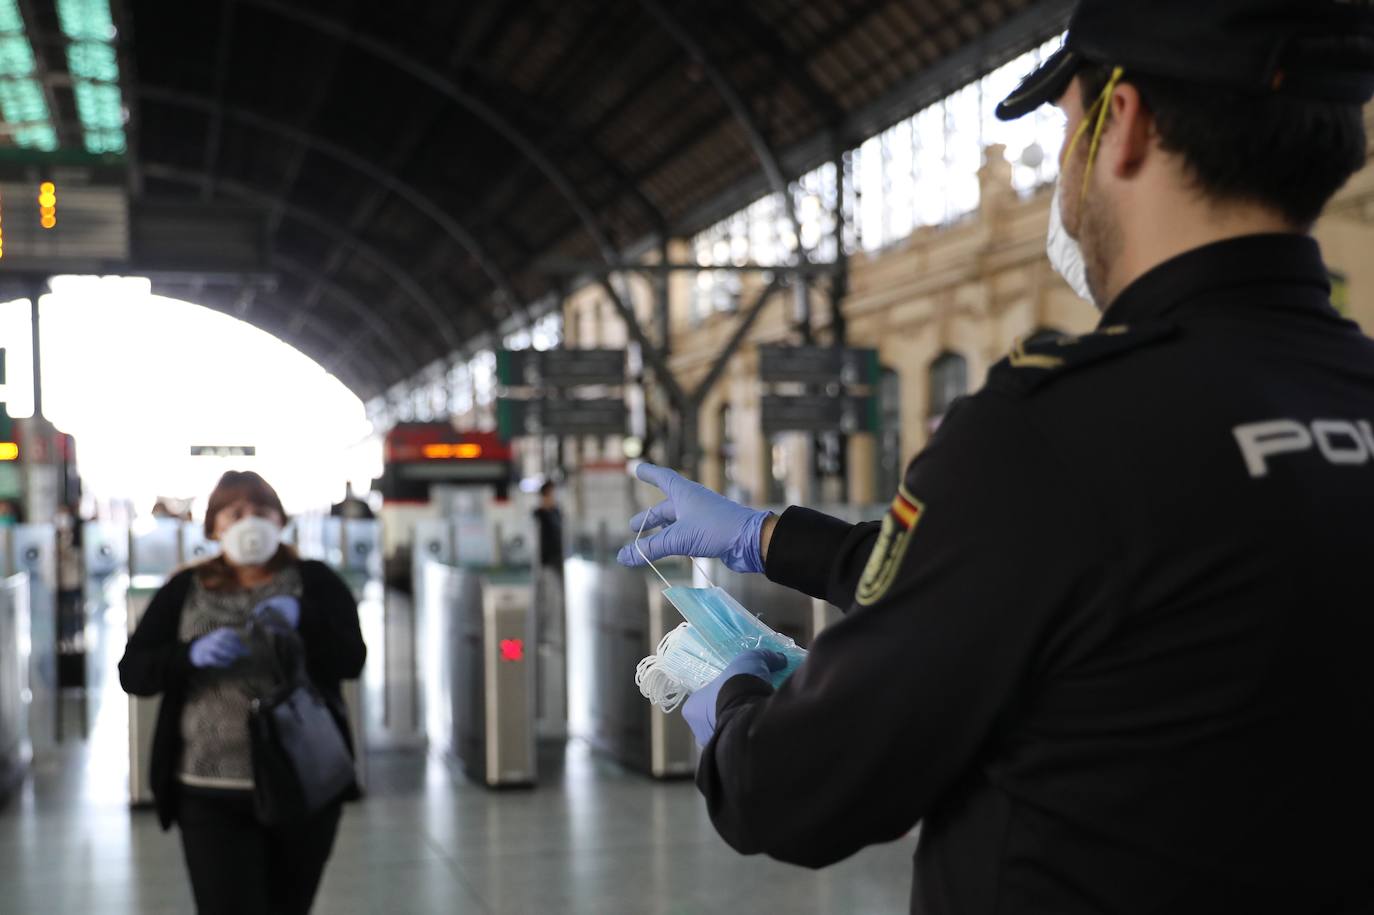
point(217, 648)
point(285, 606)
point(698, 523)
point(700, 708)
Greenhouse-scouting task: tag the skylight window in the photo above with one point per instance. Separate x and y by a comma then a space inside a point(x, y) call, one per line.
point(94, 65)
point(22, 104)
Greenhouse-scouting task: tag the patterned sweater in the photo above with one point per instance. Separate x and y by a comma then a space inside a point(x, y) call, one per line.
point(215, 750)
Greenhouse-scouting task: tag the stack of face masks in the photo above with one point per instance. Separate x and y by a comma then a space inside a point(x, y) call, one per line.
point(717, 631)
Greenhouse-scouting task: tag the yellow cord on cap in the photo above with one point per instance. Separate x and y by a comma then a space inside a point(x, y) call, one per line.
point(1103, 105)
point(1096, 118)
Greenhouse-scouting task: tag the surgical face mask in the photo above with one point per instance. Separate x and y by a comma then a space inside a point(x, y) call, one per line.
point(728, 629)
point(1065, 252)
point(251, 541)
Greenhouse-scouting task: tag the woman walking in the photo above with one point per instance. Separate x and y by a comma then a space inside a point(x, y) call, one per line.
point(191, 648)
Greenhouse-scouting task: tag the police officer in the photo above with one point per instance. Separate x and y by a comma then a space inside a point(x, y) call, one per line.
point(1111, 645)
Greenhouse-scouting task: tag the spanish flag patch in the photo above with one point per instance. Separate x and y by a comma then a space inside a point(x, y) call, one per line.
point(886, 559)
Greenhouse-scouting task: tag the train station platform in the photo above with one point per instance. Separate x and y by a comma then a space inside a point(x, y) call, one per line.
point(591, 838)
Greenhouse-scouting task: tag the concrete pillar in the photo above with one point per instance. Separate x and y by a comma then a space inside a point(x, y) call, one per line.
point(37, 287)
point(863, 461)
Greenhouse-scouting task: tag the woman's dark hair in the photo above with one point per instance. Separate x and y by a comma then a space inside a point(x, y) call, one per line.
point(216, 574)
point(236, 485)
point(1286, 153)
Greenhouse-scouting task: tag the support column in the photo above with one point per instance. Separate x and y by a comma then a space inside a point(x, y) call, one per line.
point(688, 444)
point(662, 301)
point(37, 286)
point(862, 461)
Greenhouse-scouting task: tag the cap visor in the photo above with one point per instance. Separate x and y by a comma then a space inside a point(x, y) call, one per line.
point(1042, 87)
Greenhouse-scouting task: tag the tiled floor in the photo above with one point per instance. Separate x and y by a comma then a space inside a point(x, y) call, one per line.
point(592, 838)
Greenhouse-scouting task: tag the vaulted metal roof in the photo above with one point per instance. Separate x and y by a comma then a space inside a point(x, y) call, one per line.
point(419, 158)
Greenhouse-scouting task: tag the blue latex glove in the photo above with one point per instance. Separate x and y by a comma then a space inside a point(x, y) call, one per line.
point(700, 708)
point(699, 523)
point(218, 648)
point(286, 606)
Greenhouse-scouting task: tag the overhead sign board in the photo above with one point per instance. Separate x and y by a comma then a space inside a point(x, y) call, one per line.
point(601, 416)
point(224, 451)
point(176, 237)
point(63, 226)
point(819, 413)
point(560, 367)
point(818, 365)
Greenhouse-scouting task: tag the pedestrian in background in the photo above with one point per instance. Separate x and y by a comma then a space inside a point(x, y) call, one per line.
point(190, 647)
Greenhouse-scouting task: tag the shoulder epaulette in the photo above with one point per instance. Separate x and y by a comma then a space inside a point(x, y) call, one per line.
point(1031, 365)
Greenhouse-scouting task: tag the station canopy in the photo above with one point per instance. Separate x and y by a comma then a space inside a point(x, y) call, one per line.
point(420, 164)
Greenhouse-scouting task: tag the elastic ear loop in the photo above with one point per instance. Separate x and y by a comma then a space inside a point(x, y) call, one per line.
point(645, 520)
point(1103, 105)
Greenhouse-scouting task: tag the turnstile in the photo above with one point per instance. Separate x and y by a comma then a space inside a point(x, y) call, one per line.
point(104, 554)
point(154, 547)
point(33, 550)
point(477, 629)
point(617, 616)
point(551, 653)
point(192, 544)
point(15, 751)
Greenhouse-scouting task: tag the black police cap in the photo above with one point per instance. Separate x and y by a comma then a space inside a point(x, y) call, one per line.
point(1317, 49)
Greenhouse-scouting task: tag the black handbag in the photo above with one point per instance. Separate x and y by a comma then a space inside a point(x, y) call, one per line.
point(301, 761)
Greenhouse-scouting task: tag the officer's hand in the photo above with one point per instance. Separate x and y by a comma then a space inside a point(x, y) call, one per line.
point(700, 708)
point(218, 648)
point(698, 523)
point(283, 607)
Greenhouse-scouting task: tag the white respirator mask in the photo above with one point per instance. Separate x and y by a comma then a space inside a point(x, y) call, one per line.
point(251, 542)
point(1066, 254)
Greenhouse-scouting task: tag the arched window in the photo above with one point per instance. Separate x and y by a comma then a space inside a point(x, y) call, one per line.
point(891, 460)
point(948, 382)
point(727, 450)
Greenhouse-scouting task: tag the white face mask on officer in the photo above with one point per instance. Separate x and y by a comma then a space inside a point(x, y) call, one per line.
point(251, 541)
point(1065, 251)
point(1066, 254)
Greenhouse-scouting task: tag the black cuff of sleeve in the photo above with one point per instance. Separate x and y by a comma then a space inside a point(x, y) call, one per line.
point(803, 550)
point(741, 688)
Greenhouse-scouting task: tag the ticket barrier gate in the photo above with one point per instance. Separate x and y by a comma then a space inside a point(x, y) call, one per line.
point(621, 615)
point(15, 750)
point(154, 547)
point(353, 549)
point(478, 670)
point(32, 549)
point(105, 555)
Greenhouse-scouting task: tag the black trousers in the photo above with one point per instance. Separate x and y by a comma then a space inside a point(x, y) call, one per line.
point(239, 866)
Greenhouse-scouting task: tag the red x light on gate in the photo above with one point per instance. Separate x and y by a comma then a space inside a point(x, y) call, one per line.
point(512, 649)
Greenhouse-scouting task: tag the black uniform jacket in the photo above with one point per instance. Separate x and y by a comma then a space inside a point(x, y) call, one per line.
point(157, 662)
point(1113, 647)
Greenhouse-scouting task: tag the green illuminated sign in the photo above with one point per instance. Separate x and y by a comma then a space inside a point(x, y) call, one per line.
point(94, 65)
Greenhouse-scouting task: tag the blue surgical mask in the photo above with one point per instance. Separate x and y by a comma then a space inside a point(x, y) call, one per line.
point(724, 625)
